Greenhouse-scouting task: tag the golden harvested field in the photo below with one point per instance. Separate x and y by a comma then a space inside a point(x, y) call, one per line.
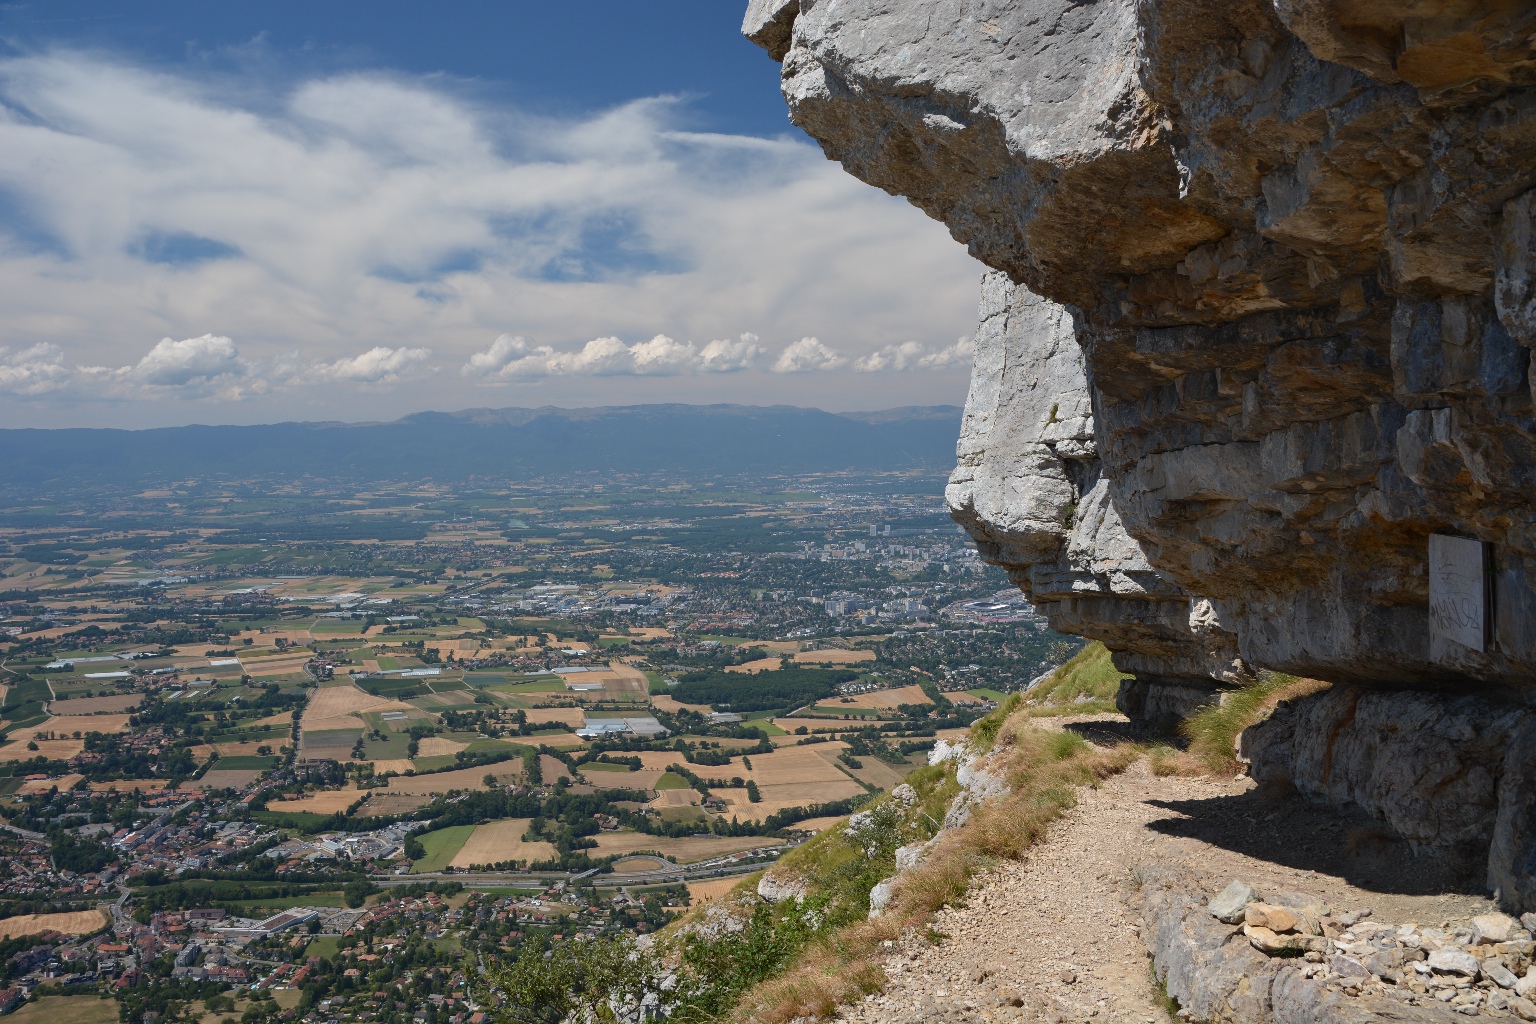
point(331, 801)
point(95, 705)
point(281, 718)
point(834, 657)
point(129, 785)
point(889, 698)
point(570, 716)
point(552, 768)
point(78, 922)
point(662, 702)
point(754, 667)
point(58, 750)
point(501, 840)
point(660, 760)
point(675, 798)
point(819, 824)
point(393, 764)
point(437, 746)
point(777, 647)
point(336, 707)
point(685, 851)
point(698, 891)
point(64, 782)
point(460, 778)
point(65, 725)
point(382, 803)
point(796, 765)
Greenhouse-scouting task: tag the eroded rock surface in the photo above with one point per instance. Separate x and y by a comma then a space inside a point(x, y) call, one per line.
point(1292, 241)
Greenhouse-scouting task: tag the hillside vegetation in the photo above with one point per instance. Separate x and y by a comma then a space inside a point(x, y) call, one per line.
point(1084, 685)
point(815, 945)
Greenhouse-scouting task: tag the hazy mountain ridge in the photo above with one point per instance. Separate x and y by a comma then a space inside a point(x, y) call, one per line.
point(492, 443)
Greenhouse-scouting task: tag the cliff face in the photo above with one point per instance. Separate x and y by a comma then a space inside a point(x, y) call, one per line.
point(1263, 312)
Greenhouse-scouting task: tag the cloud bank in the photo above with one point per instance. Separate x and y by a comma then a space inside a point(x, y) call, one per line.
point(171, 235)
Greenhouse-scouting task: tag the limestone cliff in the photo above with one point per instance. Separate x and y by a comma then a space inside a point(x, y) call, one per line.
point(1263, 312)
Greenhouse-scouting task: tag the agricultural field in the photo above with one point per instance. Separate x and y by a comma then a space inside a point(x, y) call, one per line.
point(78, 922)
point(501, 841)
point(442, 847)
point(85, 1008)
point(687, 850)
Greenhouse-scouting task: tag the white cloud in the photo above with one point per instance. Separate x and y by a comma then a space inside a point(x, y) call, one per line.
point(303, 215)
point(911, 355)
point(516, 358)
point(33, 371)
point(806, 355)
point(191, 360)
point(727, 356)
point(379, 365)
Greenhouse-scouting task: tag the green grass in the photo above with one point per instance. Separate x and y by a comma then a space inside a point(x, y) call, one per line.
point(1089, 674)
point(267, 907)
point(389, 664)
point(243, 762)
point(987, 694)
point(434, 763)
point(541, 686)
point(670, 781)
point(392, 747)
point(1212, 731)
point(441, 847)
point(599, 766)
point(324, 946)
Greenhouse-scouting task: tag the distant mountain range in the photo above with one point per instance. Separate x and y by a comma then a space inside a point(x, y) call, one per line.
point(490, 444)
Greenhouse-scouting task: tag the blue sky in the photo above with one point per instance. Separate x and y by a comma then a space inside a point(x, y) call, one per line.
point(241, 212)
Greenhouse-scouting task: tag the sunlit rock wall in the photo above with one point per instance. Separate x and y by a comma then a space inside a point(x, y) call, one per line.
point(1292, 244)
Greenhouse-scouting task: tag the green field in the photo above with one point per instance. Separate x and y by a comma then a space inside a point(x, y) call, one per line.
point(670, 781)
point(242, 762)
point(436, 762)
point(540, 686)
point(442, 846)
point(987, 694)
point(599, 766)
point(267, 907)
point(324, 946)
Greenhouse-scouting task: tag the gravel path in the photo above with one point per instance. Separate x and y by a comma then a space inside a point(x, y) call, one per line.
point(1055, 937)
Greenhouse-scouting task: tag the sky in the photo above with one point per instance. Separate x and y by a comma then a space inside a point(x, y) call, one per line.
point(242, 212)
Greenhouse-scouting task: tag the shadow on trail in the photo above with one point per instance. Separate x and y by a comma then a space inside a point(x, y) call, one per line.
point(1280, 827)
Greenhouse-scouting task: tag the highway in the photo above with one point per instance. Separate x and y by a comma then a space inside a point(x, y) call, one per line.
point(541, 879)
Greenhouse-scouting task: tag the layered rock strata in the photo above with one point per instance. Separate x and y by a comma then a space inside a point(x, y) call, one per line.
point(1293, 243)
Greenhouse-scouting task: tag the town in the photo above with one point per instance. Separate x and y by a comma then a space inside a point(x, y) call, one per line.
point(281, 769)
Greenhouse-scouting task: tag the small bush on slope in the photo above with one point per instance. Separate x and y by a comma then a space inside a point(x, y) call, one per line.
point(1084, 685)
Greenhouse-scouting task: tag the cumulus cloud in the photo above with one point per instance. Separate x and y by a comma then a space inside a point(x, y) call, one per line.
point(807, 355)
point(512, 358)
point(312, 212)
point(911, 355)
point(33, 371)
point(379, 365)
point(191, 360)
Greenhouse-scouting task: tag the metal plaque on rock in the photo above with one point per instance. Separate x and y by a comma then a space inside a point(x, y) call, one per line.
point(1458, 590)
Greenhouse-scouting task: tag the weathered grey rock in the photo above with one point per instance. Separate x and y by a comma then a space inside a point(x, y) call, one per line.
point(1216, 974)
point(1229, 905)
point(880, 897)
point(1454, 961)
point(1489, 929)
point(1295, 239)
point(1450, 775)
point(1499, 974)
point(778, 885)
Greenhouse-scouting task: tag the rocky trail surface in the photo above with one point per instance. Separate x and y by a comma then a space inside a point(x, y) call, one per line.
point(1058, 936)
